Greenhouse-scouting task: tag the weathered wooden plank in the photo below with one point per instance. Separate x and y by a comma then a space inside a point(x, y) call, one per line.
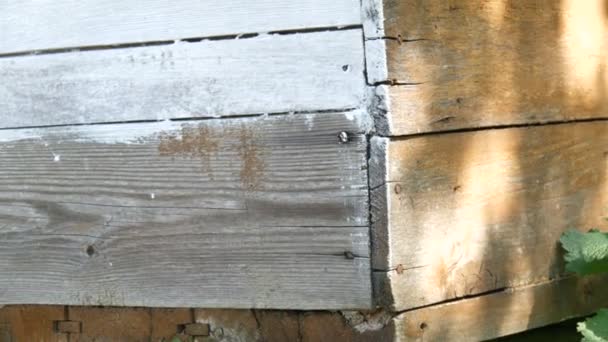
point(280, 326)
point(113, 324)
point(503, 313)
point(477, 64)
point(168, 323)
point(34, 25)
point(266, 74)
point(23, 323)
point(154, 324)
point(267, 212)
point(477, 211)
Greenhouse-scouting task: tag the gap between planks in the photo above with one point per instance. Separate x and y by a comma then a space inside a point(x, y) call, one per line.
point(486, 128)
point(118, 21)
point(190, 40)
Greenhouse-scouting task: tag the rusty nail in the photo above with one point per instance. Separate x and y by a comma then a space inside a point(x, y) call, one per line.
point(397, 189)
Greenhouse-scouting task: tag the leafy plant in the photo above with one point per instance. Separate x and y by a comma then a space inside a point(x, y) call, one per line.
point(587, 253)
point(595, 329)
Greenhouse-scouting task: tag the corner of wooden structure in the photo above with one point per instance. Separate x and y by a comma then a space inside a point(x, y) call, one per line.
point(421, 107)
point(373, 18)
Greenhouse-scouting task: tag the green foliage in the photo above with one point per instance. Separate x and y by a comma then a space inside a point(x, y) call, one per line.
point(587, 253)
point(595, 329)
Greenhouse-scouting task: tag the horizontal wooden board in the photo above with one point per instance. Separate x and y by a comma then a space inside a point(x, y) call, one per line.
point(267, 212)
point(28, 323)
point(128, 324)
point(477, 211)
point(101, 324)
point(34, 25)
point(478, 64)
point(504, 313)
point(266, 74)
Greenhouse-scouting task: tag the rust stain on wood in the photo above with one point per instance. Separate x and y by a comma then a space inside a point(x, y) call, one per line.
point(203, 142)
point(194, 142)
point(250, 152)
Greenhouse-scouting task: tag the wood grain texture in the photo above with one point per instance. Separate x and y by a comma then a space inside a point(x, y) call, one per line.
point(113, 324)
point(34, 25)
point(266, 74)
point(477, 211)
point(464, 64)
point(504, 313)
point(23, 323)
point(267, 212)
point(101, 324)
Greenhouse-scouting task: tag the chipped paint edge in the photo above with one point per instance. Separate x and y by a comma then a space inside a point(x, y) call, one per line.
point(139, 132)
point(373, 18)
point(376, 61)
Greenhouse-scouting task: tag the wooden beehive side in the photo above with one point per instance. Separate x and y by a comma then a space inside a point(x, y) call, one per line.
point(467, 64)
point(197, 155)
point(319, 71)
point(28, 26)
point(93, 324)
point(503, 313)
point(492, 142)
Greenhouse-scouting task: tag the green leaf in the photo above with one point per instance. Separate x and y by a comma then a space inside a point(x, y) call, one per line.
point(595, 329)
point(587, 253)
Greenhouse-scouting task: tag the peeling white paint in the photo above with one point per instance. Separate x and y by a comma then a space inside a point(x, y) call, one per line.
point(362, 118)
point(105, 134)
point(27, 25)
point(373, 18)
point(140, 133)
point(266, 74)
point(376, 61)
point(309, 121)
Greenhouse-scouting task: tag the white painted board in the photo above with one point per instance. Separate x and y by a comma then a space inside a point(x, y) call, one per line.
point(266, 74)
point(27, 25)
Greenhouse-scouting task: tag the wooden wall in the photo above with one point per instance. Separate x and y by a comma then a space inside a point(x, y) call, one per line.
point(492, 139)
point(152, 158)
point(184, 154)
point(97, 324)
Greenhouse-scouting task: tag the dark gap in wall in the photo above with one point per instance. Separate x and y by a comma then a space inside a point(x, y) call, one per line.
point(246, 35)
point(485, 128)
